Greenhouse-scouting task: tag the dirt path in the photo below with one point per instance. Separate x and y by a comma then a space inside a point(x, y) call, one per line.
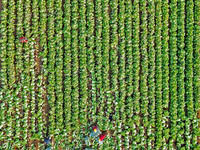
point(198, 137)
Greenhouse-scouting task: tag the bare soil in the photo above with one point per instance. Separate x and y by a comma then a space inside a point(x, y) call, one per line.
point(198, 116)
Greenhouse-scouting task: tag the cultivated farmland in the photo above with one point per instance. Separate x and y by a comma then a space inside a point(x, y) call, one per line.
point(130, 67)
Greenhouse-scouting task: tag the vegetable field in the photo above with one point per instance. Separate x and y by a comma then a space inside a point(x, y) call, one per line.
point(131, 67)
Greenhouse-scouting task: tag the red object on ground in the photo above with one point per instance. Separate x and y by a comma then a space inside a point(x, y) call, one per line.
point(102, 137)
point(23, 39)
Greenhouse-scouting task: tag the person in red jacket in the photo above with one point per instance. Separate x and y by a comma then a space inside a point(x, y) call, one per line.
point(23, 39)
point(101, 138)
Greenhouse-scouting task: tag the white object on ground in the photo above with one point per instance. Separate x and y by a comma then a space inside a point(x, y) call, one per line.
point(87, 140)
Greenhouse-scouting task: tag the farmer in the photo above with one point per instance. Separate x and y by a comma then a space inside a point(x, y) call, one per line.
point(47, 140)
point(100, 140)
point(23, 39)
point(110, 117)
point(95, 128)
point(95, 132)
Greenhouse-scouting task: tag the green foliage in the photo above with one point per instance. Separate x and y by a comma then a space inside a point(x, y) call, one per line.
point(75, 73)
point(143, 72)
point(121, 116)
point(113, 99)
point(165, 69)
point(151, 73)
point(136, 70)
point(67, 69)
point(137, 61)
point(3, 70)
point(59, 68)
point(51, 65)
point(173, 72)
point(181, 74)
point(196, 60)
point(158, 75)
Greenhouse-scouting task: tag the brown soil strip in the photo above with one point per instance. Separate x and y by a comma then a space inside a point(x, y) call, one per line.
point(198, 137)
point(29, 122)
point(36, 144)
point(37, 59)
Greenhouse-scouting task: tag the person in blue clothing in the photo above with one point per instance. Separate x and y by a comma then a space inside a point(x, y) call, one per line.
point(47, 140)
point(110, 117)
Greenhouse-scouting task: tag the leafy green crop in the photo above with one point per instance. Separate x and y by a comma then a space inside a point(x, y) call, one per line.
point(173, 72)
point(151, 74)
point(86, 60)
point(165, 70)
point(181, 75)
point(158, 75)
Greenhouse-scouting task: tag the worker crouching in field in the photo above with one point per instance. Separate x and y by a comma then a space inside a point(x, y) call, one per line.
point(95, 132)
point(110, 117)
point(96, 135)
point(47, 141)
point(100, 139)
